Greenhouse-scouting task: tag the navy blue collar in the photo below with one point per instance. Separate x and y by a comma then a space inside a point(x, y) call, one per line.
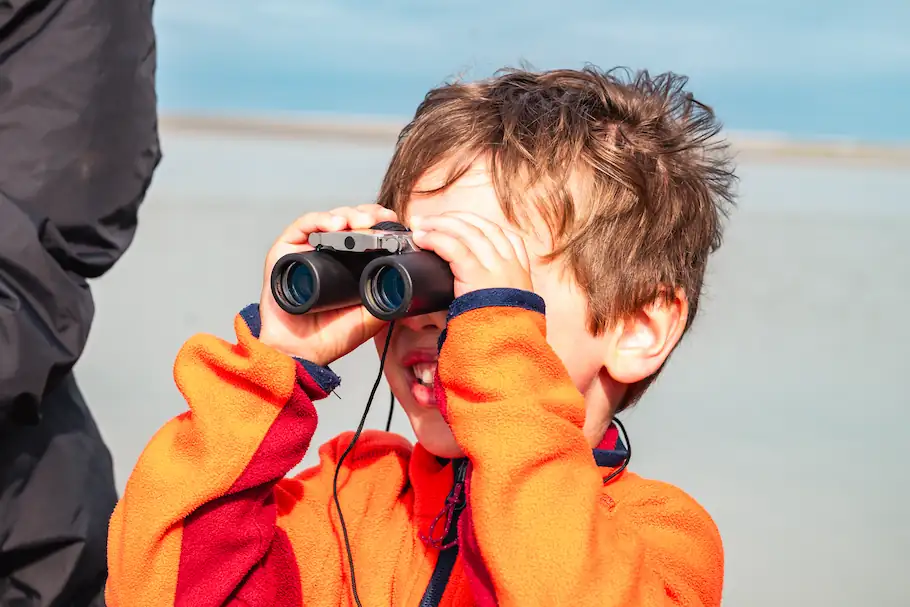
point(611, 452)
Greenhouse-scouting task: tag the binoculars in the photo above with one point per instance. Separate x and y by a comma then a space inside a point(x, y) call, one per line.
point(380, 268)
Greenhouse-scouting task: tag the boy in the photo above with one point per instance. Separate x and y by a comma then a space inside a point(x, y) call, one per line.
point(577, 211)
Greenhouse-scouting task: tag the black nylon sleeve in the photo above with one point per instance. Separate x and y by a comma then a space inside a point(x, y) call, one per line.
point(45, 314)
point(78, 148)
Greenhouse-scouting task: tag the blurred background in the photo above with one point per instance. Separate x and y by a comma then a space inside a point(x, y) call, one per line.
point(784, 412)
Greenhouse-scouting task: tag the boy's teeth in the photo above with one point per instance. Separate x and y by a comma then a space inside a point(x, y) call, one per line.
point(425, 373)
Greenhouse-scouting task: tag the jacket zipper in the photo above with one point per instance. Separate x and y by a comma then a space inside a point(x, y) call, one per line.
point(448, 546)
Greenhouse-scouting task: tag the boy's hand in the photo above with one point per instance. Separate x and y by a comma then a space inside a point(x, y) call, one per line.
point(323, 337)
point(482, 254)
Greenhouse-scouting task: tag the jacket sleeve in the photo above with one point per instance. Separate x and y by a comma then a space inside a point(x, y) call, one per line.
point(197, 522)
point(546, 529)
point(78, 130)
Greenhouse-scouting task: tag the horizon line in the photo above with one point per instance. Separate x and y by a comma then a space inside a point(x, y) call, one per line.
point(756, 145)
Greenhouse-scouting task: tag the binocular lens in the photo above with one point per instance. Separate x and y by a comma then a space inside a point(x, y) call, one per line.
point(300, 284)
point(388, 288)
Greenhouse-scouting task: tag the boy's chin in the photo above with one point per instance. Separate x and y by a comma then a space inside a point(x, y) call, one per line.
point(431, 429)
point(445, 449)
point(439, 441)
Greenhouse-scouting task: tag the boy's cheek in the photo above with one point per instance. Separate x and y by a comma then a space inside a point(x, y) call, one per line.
point(582, 362)
point(379, 340)
point(582, 353)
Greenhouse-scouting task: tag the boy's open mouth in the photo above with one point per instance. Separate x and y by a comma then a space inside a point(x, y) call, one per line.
point(422, 367)
point(424, 373)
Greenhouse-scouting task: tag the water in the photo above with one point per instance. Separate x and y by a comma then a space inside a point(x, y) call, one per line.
point(772, 65)
point(784, 412)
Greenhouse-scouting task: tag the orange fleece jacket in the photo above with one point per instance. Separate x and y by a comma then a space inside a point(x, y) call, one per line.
point(210, 518)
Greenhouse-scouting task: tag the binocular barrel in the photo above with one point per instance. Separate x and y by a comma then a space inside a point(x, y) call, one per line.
point(390, 286)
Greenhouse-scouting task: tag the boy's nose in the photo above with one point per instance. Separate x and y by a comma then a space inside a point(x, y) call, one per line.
point(425, 322)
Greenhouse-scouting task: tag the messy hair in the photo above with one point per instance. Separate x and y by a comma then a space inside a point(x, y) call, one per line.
point(625, 169)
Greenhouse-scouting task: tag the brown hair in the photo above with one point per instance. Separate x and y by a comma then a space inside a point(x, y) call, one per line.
point(625, 169)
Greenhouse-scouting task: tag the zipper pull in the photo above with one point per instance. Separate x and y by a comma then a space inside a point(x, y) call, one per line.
point(454, 504)
point(459, 493)
point(461, 471)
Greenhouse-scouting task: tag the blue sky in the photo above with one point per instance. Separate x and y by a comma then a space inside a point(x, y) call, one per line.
point(820, 68)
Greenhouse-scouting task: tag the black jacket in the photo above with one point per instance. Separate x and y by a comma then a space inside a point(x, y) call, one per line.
point(78, 147)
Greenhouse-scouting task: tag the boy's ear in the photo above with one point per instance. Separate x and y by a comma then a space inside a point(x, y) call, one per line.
point(640, 344)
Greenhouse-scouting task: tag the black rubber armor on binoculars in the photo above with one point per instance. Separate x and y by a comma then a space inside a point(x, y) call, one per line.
point(380, 268)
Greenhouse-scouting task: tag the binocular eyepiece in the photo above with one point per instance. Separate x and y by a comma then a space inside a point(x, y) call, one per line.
point(380, 268)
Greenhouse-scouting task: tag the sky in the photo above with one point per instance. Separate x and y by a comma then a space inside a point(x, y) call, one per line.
point(813, 68)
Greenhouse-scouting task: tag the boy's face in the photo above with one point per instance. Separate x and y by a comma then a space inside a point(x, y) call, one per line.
point(411, 363)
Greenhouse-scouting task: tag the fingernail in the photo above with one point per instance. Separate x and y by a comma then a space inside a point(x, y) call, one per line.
point(419, 234)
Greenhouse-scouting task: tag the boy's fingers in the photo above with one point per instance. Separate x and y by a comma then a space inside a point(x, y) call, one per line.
point(494, 233)
point(452, 249)
point(381, 213)
point(364, 216)
point(358, 220)
point(361, 217)
point(519, 250)
point(299, 231)
point(473, 239)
